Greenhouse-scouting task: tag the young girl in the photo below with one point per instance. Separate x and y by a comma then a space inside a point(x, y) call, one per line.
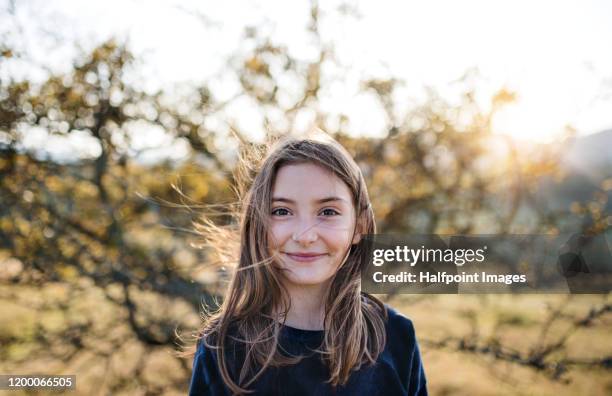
point(294, 320)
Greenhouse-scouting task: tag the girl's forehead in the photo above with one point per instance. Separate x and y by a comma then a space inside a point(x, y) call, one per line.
point(308, 180)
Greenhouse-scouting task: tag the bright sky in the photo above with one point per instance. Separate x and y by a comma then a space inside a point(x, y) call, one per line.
point(556, 54)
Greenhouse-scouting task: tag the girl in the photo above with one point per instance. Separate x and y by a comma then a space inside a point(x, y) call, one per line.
point(294, 320)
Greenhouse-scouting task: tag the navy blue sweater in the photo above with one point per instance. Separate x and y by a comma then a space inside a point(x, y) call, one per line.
point(398, 370)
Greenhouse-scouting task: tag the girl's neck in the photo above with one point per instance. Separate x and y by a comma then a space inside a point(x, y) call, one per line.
point(307, 310)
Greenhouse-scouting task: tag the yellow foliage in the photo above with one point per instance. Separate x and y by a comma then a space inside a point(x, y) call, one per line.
point(23, 225)
point(67, 273)
point(256, 65)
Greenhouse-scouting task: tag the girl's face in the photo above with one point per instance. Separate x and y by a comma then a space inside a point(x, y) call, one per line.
point(312, 223)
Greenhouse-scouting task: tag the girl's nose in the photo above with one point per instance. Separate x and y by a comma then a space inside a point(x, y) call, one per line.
point(305, 234)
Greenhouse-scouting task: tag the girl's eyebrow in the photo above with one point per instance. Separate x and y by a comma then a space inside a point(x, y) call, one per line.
point(322, 200)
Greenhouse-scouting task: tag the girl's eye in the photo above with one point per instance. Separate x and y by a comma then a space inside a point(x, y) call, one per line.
point(280, 212)
point(330, 212)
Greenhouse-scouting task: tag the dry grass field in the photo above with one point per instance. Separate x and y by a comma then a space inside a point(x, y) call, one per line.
point(516, 322)
point(35, 336)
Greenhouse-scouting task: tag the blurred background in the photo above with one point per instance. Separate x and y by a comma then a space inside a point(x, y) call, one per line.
point(120, 121)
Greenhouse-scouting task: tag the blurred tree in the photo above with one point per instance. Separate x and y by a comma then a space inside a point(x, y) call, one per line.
point(81, 220)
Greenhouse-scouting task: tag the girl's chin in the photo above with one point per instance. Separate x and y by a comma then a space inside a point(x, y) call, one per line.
point(296, 278)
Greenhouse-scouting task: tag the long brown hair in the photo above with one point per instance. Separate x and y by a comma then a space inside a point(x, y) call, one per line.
point(249, 314)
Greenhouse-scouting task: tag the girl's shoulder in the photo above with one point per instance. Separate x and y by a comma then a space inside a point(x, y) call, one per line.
point(206, 378)
point(400, 330)
point(402, 355)
point(396, 318)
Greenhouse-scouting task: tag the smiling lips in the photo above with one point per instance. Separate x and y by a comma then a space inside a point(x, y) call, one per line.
point(305, 257)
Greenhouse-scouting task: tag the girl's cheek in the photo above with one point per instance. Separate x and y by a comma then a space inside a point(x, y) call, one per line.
point(340, 235)
point(279, 230)
point(337, 224)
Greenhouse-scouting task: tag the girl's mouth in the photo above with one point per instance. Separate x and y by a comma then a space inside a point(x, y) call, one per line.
point(304, 257)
